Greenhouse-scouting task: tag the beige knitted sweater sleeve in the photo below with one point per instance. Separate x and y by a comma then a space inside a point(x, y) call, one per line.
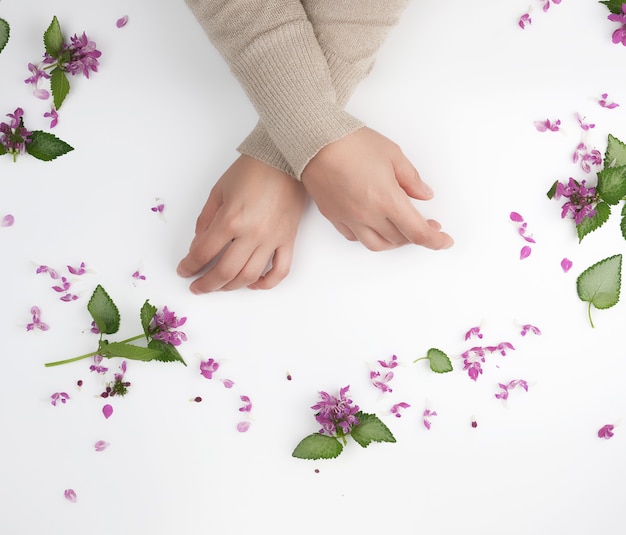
point(298, 62)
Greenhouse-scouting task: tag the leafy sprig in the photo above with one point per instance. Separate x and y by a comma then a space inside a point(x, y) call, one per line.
point(5, 33)
point(610, 190)
point(318, 446)
point(439, 361)
point(599, 285)
point(106, 317)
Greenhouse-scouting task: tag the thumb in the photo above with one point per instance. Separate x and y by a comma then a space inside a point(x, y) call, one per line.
point(410, 180)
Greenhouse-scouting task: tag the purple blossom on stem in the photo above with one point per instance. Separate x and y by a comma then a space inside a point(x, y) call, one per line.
point(208, 368)
point(427, 415)
point(163, 325)
point(619, 35)
point(83, 56)
point(395, 409)
point(336, 415)
point(381, 382)
point(59, 397)
point(13, 135)
point(605, 103)
point(530, 328)
point(547, 125)
point(247, 404)
point(606, 431)
point(581, 200)
point(504, 394)
point(94, 328)
point(7, 221)
point(36, 323)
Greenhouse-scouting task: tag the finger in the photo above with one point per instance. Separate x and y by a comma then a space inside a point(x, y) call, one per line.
point(345, 232)
point(212, 205)
point(252, 271)
point(434, 223)
point(204, 248)
point(410, 180)
point(281, 265)
point(417, 230)
point(373, 240)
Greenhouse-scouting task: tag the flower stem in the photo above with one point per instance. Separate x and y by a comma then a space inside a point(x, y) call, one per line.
point(87, 355)
point(589, 314)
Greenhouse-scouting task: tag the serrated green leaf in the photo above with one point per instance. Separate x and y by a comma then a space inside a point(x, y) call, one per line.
point(317, 446)
point(166, 352)
point(2, 150)
point(623, 222)
point(5, 33)
point(104, 311)
point(615, 6)
point(128, 351)
point(439, 361)
point(370, 429)
point(45, 146)
point(552, 190)
point(599, 285)
point(615, 155)
point(589, 224)
point(59, 85)
point(612, 184)
point(146, 314)
point(53, 38)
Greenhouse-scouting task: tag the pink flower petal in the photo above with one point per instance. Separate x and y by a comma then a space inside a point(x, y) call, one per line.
point(525, 252)
point(7, 221)
point(107, 410)
point(242, 427)
point(514, 216)
point(101, 445)
point(228, 383)
point(121, 22)
point(606, 431)
point(566, 265)
point(70, 495)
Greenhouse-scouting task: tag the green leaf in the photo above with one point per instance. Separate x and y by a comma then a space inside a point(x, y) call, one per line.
point(166, 352)
point(2, 150)
point(599, 285)
point(615, 6)
point(5, 33)
point(146, 314)
point(623, 222)
point(317, 446)
point(589, 224)
point(612, 184)
point(615, 155)
point(46, 146)
point(552, 190)
point(128, 351)
point(370, 429)
point(104, 311)
point(53, 38)
point(60, 86)
point(439, 361)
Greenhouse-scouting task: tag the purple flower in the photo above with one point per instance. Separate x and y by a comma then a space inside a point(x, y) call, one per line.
point(36, 323)
point(566, 265)
point(59, 397)
point(583, 125)
point(525, 20)
point(77, 271)
point(502, 347)
point(606, 431)
point(581, 200)
point(7, 221)
point(53, 116)
point(64, 287)
point(95, 367)
point(70, 495)
point(138, 276)
point(382, 383)
point(529, 328)
point(208, 368)
point(587, 158)
point(474, 369)
point(83, 56)
point(547, 125)
point(395, 409)
point(390, 363)
point(158, 208)
point(474, 331)
point(504, 394)
point(163, 325)
point(228, 383)
point(605, 103)
point(247, 404)
point(36, 75)
point(13, 135)
point(619, 35)
point(119, 387)
point(45, 269)
point(427, 415)
point(336, 415)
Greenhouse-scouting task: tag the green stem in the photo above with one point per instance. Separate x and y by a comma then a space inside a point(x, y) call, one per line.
point(87, 355)
point(421, 358)
point(589, 314)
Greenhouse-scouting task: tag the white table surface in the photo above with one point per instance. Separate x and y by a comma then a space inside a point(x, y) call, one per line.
point(458, 85)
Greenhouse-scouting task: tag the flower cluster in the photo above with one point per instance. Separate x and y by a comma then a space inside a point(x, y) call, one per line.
point(474, 357)
point(619, 35)
point(336, 415)
point(381, 381)
point(581, 200)
point(14, 136)
point(586, 157)
point(163, 327)
point(119, 387)
point(64, 285)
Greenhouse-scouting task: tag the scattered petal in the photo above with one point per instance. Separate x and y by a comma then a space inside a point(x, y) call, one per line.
point(59, 397)
point(390, 363)
point(606, 431)
point(247, 404)
point(36, 323)
point(228, 383)
point(208, 368)
point(107, 410)
point(242, 427)
point(427, 415)
point(524, 252)
point(70, 495)
point(101, 445)
point(395, 409)
point(566, 265)
point(514, 216)
point(474, 331)
point(547, 125)
point(605, 103)
point(529, 328)
point(7, 221)
point(122, 21)
point(525, 20)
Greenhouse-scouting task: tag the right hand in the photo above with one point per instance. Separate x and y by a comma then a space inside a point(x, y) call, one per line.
point(362, 183)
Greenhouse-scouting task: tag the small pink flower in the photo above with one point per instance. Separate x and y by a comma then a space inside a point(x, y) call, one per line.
point(208, 368)
point(583, 125)
point(605, 104)
point(525, 20)
point(566, 265)
point(606, 431)
point(427, 415)
point(474, 331)
point(70, 495)
point(95, 367)
point(138, 276)
point(524, 252)
point(36, 323)
point(228, 383)
point(80, 270)
point(242, 427)
point(504, 394)
point(529, 328)
point(247, 404)
point(63, 287)
point(53, 116)
point(7, 221)
point(45, 269)
point(101, 445)
point(57, 397)
point(390, 363)
point(382, 383)
point(395, 409)
point(122, 21)
point(158, 208)
point(107, 410)
point(502, 347)
point(547, 125)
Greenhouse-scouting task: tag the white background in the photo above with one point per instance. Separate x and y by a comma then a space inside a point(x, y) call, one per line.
point(458, 85)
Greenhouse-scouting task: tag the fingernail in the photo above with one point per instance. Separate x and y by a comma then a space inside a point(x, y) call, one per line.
point(181, 271)
point(427, 190)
